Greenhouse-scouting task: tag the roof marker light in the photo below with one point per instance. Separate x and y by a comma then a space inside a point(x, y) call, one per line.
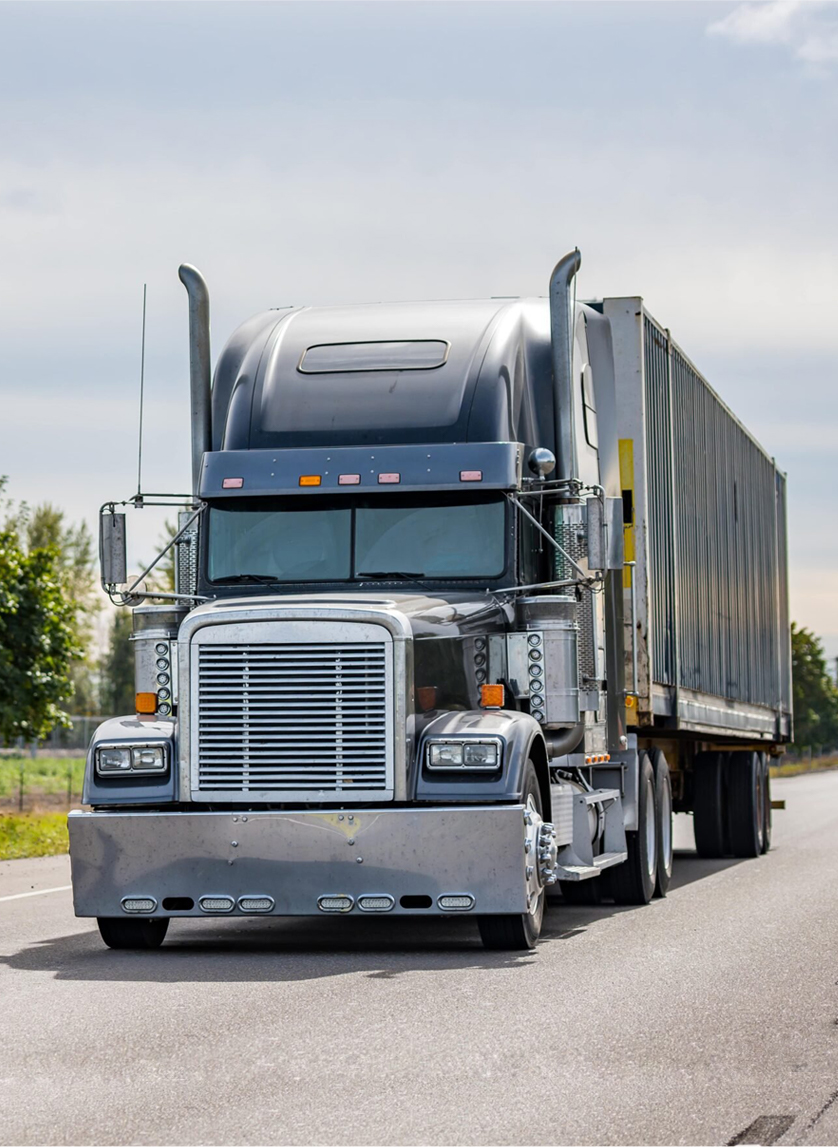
point(389, 479)
point(309, 479)
point(471, 475)
point(232, 484)
point(349, 479)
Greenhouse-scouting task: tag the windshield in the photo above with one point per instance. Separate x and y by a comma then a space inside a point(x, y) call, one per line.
point(291, 540)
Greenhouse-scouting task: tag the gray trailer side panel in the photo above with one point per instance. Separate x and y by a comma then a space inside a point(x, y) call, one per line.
point(709, 541)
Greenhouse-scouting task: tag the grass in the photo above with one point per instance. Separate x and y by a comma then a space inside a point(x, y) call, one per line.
point(42, 776)
point(796, 768)
point(33, 834)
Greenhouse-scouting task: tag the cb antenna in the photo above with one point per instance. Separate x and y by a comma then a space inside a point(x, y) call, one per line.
point(139, 497)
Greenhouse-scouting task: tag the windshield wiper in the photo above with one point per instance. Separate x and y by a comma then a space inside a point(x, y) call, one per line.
point(257, 579)
point(405, 575)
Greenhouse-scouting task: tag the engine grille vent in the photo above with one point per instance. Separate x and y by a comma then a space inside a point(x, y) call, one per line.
point(288, 720)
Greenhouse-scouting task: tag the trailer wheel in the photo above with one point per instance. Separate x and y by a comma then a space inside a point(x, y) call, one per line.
point(520, 932)
point(663, 808)
point(709, 821)
point(746, 802)
point(119, 933)
point(633, 881)
point(766, 825)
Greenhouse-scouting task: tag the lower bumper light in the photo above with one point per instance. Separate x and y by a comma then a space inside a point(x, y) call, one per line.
point(256, 903)
point(376, 903)
point(139, 904)
point(463, 903)
point(217, 903)
point(335, 903)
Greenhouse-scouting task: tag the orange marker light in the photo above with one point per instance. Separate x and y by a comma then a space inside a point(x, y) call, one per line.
point(146, 702)
point(491, 696)
point(309, 479)
point(426, 696)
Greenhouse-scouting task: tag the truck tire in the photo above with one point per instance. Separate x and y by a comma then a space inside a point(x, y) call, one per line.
point(663, 808)
point(143, 934)
point(766, 827)
point(746, 804)
point(520, 932)
point(709, 821)
point(633, 881)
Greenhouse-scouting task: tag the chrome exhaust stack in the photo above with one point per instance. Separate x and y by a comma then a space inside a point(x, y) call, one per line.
point(199, 367)
point(561, 342)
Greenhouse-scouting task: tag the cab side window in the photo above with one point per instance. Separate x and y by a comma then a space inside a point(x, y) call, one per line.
point(589, 407)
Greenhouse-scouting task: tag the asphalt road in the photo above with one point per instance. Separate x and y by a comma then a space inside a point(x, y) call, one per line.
point(689, 1021)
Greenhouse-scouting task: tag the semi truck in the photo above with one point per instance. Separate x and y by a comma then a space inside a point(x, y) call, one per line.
point(470, 597)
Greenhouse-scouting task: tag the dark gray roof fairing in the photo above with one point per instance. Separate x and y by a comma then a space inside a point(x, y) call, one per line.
point(496, 385)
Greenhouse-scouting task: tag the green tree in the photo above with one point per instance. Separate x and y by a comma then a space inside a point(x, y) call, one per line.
point(44, 527)
point(815, 696)
point(37, 640)
point(117, 667)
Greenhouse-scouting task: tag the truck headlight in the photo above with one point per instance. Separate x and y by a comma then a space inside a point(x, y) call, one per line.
point(456, 756)
point(481, 755)
point(447, 756)
point(120, 760)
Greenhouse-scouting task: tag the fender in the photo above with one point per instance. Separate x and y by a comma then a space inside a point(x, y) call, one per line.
point(128, 790)
point(522, 740)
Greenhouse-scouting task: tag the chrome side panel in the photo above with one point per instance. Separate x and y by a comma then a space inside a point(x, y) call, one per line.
point(296, 857)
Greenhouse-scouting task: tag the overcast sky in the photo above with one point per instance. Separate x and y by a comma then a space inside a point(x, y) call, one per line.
point(320, 153)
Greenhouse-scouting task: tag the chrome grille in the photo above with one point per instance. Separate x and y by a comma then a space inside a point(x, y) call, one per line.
point(283, 720)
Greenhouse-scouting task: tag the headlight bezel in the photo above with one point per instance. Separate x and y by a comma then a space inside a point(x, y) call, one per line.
point(464, 765)
point(135, 767)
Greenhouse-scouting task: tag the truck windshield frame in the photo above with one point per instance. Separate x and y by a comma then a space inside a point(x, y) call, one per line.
point(284, 541)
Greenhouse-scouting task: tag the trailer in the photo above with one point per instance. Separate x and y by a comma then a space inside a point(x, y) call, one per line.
point(471, 596)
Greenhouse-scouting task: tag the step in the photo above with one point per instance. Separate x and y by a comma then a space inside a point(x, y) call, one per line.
point(588, 871)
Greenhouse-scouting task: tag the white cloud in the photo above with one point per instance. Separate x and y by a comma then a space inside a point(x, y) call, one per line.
point(761, 22)
point(809, 28)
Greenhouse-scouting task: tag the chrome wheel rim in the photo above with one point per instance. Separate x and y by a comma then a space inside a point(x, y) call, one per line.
point(651, 829)
point(666, 828)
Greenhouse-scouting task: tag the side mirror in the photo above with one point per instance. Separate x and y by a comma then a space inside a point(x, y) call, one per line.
point(112, 556)
point(604, 527)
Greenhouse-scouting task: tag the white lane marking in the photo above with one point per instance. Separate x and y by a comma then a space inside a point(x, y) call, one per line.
point(40, 892)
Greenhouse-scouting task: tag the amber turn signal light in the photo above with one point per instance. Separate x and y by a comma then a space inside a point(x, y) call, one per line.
point(491, 696)
point(309, 479)
point(146, 702)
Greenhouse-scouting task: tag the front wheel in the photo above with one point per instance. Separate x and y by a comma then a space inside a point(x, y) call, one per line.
point(520, 932)
point(139, 934)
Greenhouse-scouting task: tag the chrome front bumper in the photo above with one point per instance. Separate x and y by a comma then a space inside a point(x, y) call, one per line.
point(295, 858)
